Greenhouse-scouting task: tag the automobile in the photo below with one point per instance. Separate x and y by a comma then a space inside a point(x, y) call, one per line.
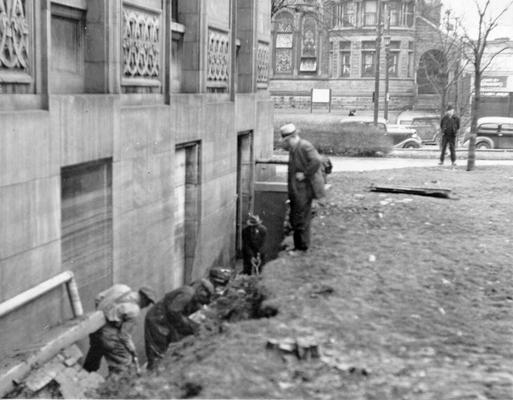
point(492, 133)
point(425, 123)
point(402, 137)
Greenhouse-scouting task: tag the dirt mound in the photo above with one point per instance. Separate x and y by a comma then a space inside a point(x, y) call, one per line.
point(407, 297)
point(243, 299)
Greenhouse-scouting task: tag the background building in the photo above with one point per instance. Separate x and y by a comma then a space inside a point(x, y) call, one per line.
point(332, 44)
point(128, 130)
point(497, 81)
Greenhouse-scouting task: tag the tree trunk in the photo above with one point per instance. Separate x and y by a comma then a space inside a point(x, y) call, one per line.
point(471, 162)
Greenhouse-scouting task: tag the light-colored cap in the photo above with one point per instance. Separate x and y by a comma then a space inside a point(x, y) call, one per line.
point(287, 130)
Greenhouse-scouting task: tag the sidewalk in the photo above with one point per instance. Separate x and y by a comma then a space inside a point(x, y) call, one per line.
point(403, 159)
point(371, 164)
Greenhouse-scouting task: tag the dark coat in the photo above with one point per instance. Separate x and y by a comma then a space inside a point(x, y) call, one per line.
point(450, 125)
point(167, 321)
point(305, 158)
point(253, 238)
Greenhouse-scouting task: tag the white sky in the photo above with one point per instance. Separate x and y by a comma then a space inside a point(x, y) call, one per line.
point(467, 10)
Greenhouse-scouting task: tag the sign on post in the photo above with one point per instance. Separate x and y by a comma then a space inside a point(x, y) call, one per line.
point(320, 96)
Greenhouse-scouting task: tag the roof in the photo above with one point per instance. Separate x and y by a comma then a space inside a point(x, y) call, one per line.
point(495, 120)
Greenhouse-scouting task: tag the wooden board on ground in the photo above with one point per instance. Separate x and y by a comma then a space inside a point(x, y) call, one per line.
point(433, 192)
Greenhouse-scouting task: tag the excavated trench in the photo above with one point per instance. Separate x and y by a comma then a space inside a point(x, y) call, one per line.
point(243, 299)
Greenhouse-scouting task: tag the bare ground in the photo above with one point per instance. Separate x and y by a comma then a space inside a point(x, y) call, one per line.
point(421, 306)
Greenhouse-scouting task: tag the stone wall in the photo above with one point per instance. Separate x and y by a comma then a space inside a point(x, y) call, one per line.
point(130, 120)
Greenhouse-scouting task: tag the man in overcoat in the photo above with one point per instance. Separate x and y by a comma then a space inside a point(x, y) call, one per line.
point(305, 183)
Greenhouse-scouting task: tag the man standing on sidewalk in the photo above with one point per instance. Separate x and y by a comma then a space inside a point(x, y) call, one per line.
point(305, 183)
point(449, 126)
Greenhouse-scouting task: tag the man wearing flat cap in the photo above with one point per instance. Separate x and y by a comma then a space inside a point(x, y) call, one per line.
point(305, 183)
point(121, 306)
point(168, 320)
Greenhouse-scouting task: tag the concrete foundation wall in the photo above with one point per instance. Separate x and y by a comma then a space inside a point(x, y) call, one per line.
point(141, 142)
point(85, 109)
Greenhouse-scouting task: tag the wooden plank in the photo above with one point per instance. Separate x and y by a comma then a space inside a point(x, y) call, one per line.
point(432, 192)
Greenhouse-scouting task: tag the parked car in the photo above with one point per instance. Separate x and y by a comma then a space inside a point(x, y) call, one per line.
point(425, 123)
point(493, 133)
point(402, 137)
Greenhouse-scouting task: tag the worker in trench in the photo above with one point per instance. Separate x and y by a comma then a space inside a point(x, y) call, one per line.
point(169, 319)
point(121, 306)
point(253, 238)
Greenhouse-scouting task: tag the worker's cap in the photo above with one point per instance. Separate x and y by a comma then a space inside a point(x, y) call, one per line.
point(149, 293)
point(220, 275)
point(449, 108)
point(287, 130)
point(253, 219)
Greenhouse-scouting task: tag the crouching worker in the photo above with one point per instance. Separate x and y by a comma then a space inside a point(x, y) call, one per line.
point(121, 306)
point(168, 320)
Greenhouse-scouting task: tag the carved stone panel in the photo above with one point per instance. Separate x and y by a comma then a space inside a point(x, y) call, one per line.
point(262, 63)
point(14, 35)
point(141, 44)
point(218, 58)
point(283, 64)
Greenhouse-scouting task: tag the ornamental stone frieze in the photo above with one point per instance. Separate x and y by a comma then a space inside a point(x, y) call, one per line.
point(263, 63)
point(218, 64)
point(14, 35)
point(141, 44)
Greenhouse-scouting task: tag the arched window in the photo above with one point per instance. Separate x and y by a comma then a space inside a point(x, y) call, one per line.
point(432, 74)
point(283, 44)
point(308, 45)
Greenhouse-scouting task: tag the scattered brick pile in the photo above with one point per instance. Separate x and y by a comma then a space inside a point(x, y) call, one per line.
point(61, 377)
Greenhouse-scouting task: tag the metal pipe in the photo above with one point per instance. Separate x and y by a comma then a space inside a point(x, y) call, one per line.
point(29, 295)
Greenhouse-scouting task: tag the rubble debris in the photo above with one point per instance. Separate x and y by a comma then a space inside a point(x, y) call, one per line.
point(321, 290)
point(62, 376)
point(433, 192)
point(304, 348)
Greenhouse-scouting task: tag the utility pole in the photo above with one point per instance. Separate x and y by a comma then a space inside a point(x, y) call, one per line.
point(377, 59)
point(387, 57)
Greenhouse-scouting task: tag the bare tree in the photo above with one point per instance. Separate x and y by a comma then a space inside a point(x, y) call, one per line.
point(475, 51)
point(277, 5)
point(444, 66)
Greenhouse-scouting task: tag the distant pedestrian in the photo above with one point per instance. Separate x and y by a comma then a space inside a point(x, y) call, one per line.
point(168, 320)
point(305, 182)
point(121, 306)
point(352, 112)
point(253, 238)
point(449, 126)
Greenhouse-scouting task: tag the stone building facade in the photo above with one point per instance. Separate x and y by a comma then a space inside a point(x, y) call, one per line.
point(332, 44)
point(497, 81)
point(128, 132)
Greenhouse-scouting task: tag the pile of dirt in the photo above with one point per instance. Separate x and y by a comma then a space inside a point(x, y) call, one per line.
point(243, 299)
point(407, 297)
